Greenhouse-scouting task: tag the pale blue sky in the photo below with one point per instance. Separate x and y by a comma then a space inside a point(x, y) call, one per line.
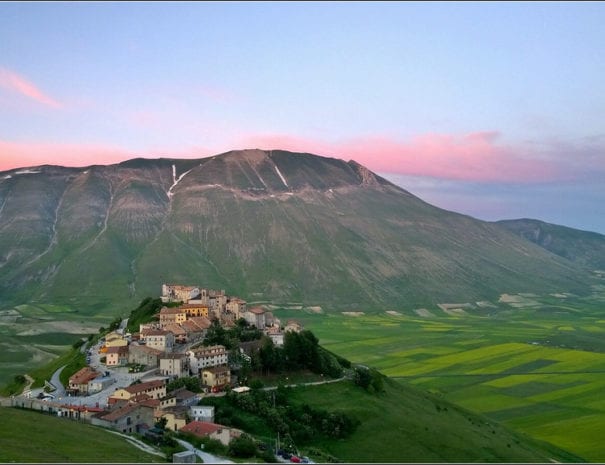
point(484, 108)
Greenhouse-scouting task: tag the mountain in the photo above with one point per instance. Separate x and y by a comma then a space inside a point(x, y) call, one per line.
point(583, 247)
point(263, 225)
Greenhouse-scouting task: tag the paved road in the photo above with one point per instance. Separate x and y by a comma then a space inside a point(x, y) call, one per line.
point(205, 456)
point(56, 382)
point(313, 383)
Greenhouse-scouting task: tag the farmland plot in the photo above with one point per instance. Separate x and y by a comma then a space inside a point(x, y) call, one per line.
point(536, 363)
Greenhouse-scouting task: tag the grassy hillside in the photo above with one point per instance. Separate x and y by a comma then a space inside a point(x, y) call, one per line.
point(406, 425)
point(583, 247)
point(27, 436)
point(533, 363)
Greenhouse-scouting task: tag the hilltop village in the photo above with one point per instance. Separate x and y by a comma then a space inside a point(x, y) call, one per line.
point(174, 341)
point(126, 383)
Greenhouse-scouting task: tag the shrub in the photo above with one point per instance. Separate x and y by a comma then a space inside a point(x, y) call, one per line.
point(243, 446)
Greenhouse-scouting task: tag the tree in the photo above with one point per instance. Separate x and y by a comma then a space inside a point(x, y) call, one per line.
point(161, 423)
point(268, 356)
point(256, 385)
point(191, 383)
point(115, 324)
point(377, 382)
point(217, 335)
point(362, 376)
point(242, 447)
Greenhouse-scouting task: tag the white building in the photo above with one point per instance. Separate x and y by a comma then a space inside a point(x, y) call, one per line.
point(202, 413)
point(204, 357)
point(158, 339)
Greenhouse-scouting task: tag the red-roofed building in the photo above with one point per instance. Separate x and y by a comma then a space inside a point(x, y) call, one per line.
point(125, 418)
point(169, 316)
point(192, 331)
point(78, 382)
point(180, 335)
point(201, 321)
point(116, 356)
point(216, 377)
point(158, 339)
point(256, 317)
point(154, 389)
point(203, 429)
point(143, 355)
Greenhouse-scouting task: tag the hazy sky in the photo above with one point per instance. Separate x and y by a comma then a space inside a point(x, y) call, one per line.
point(496, 110)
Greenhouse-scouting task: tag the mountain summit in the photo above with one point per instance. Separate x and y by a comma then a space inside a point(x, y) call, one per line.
point(264, 225)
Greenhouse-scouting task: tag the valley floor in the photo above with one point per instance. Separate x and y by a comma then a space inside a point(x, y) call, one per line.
point(533, 363)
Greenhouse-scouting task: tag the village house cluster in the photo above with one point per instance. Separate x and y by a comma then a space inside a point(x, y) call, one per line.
point(172, 344)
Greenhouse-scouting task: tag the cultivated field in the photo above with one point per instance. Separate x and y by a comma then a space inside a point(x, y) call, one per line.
point(535, 363)
point(33, 335)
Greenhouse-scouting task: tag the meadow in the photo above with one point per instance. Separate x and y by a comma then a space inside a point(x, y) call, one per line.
point(28, 436)
point(534, 363)
point(33, 335)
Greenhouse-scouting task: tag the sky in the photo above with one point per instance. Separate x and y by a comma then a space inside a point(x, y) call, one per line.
point(491, 109)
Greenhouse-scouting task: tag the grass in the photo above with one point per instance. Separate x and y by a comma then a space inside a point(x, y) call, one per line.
point(414, 426)
point(73, 359)
point(39, 334)
point(27, 436)
point(516, 364)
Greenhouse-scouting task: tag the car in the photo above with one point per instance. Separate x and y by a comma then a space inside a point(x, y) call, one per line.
point(294, 459)
point(286, 455)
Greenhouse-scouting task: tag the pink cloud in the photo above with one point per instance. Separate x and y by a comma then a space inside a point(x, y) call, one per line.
point(477, 157)
point(471, 157)
point(25, 154)
point(13, 82)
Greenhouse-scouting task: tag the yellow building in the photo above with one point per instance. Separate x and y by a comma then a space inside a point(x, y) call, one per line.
point(153, 389)
point(171, 316)
point(193, 310)
point(216, 377)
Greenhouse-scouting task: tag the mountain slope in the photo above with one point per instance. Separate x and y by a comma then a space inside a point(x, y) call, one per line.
point(582, 247)
point(264, 225)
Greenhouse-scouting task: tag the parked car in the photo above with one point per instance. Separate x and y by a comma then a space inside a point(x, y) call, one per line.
point(294, 459)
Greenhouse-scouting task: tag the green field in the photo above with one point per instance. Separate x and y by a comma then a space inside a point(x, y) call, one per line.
point(534, 363)
point(27, 436)
point(33, 335)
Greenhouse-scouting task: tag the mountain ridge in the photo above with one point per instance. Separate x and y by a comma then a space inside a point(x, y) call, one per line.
point(266, 225)
point(586, 248)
